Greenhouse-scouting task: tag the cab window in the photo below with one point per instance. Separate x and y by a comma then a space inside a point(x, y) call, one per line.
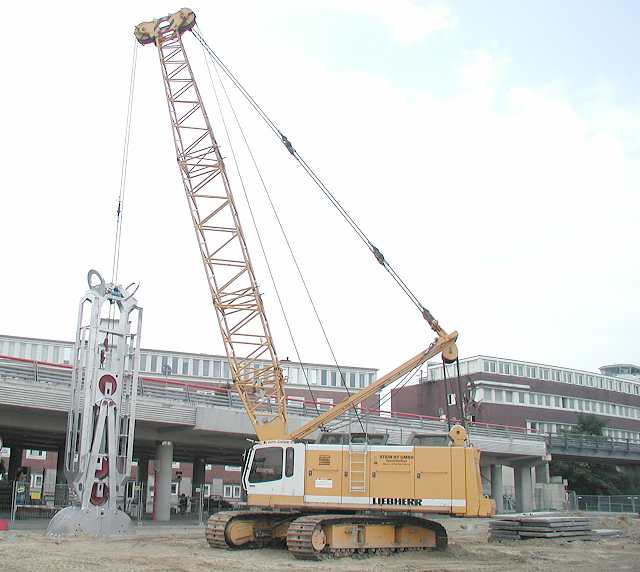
point(267, 465)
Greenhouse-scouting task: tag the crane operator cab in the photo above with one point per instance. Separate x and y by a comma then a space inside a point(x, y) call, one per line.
point(438, 479)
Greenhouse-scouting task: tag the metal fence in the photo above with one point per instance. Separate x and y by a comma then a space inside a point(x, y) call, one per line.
point(604, 503)
point(21, 502)
point(192, 509)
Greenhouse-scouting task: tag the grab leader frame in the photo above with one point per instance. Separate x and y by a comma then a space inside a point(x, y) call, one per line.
point(101, 420)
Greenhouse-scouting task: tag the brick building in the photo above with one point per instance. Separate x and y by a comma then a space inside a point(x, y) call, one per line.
point(538, 397)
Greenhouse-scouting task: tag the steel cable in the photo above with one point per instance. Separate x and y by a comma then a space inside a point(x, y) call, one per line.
point(319, 183)
point(123, 169)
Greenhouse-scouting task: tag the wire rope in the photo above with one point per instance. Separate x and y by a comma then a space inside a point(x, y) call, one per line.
point(319, 183)
point(289, 246)
point(123, 169)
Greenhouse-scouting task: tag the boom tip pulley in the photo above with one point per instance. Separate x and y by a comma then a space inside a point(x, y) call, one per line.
point(152, 32)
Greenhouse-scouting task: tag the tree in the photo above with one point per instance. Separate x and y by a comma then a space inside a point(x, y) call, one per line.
point(593, 478)
point(588, 424)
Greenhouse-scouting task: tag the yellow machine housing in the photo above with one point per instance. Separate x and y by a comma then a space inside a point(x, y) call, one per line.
point(385, 478)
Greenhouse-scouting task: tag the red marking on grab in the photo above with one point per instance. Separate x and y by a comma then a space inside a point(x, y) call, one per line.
point(107, 384)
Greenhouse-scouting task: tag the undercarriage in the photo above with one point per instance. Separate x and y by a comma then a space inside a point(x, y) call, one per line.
point(319, 536)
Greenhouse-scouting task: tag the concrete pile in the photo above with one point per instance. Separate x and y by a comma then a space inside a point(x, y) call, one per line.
point(526, 527)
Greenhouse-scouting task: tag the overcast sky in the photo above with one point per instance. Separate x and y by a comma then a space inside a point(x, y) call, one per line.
point(490, 149)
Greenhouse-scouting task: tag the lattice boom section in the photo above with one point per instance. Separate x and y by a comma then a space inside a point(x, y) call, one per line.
point(224, 253)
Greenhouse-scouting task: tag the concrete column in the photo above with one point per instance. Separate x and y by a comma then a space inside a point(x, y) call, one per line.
point(61, 495)
point(199, 466)
point(142, 475)
point(542, 474)
point(497, 490)
point(15, 462)
point(61, 478)
point(162, 485)
point(524, 488)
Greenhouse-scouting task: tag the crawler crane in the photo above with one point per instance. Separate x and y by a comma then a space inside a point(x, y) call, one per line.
point(321, 499)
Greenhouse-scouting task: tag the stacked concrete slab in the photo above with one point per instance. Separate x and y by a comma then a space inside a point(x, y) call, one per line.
point(526, 527)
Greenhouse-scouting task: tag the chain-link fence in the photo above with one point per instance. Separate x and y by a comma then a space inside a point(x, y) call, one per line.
point(19, 501)
point(604, 503)
point(190, 509)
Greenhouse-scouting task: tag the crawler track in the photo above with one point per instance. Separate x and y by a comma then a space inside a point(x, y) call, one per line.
point(306, 539)
point(262, 524)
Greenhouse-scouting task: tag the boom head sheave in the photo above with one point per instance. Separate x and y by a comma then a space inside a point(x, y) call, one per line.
point(150, 32)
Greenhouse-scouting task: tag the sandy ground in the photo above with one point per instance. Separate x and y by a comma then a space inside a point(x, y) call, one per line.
point(185, 549)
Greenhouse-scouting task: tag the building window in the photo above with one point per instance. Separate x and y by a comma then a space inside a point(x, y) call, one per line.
point(174, 365)
point(323, 377)
point(520, 397)
point(509, 396)
point(334, 378)
point(227, 491)
point(295, 401)
point(217, 368)
point(225, 370)
point(195, 367)
point(205, 368)
point(36, 454)
point(312, 375)
point(154, 363)
point(451, 399)
point(143, 362)
point(499, 395)
point(325, 402)
point(185, 366)
point(352, 380)
point(174, 489)
point(56, 354)
point(236, 491)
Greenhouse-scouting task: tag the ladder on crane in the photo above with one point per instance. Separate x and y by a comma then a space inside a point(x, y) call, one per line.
point(358, 461)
